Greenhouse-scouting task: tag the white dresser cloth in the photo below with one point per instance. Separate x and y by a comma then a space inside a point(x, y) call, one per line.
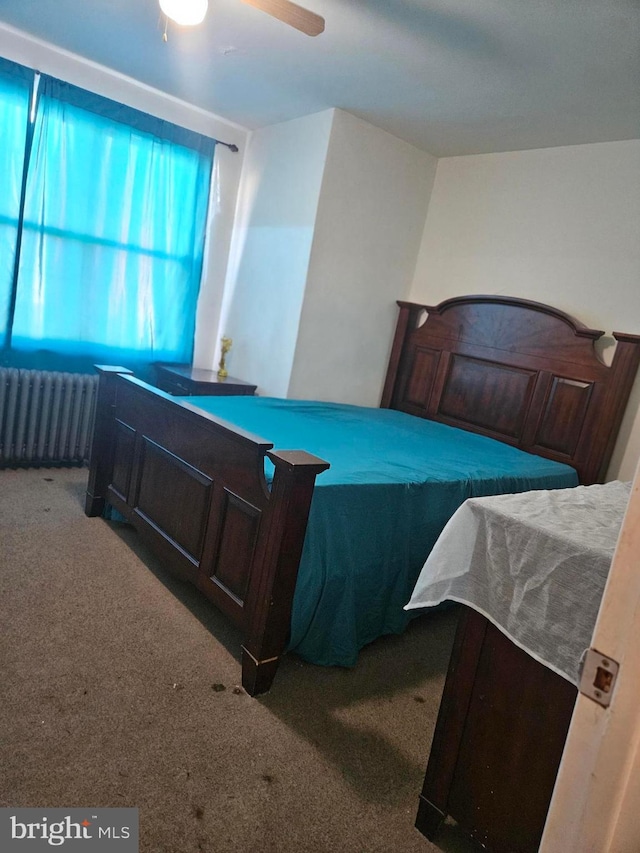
point(534, 563)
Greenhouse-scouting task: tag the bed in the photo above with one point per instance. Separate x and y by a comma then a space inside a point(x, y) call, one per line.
point(238, 517)
point(531, 571)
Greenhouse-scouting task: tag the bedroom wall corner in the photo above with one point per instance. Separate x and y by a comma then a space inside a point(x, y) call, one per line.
point(556, 225)
point(223, 198)
point(268, 263)
point(371, 213)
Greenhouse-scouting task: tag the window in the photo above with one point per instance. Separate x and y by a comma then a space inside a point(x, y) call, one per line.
point(111, 236)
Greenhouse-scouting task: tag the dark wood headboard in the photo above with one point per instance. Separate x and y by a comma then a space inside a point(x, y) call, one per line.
point(519, 371)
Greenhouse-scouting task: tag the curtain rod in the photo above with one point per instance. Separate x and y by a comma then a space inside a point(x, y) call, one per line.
point(37, 74)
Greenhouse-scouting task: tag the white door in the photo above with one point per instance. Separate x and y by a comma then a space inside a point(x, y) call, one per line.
point(596, 801)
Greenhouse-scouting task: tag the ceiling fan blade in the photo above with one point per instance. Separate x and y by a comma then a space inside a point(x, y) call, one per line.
point(292, 14)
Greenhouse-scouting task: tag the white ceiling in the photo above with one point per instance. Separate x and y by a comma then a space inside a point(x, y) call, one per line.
point(450, 76)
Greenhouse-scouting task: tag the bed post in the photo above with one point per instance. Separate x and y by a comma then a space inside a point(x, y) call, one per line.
point(102, 444)
point(269, 616)
point(624, 367)
point(407, 322)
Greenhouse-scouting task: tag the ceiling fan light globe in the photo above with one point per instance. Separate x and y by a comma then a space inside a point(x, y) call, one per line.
point(187, 13)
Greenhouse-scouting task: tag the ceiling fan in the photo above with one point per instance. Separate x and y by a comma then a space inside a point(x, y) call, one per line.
point(190, 12)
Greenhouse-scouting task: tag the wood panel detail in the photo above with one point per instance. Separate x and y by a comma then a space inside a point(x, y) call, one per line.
point(564, 414)
point(488, 395)
point(174, 497)
point(421, 377)
point(498, 741)
point(124, 444)
point(239, 531)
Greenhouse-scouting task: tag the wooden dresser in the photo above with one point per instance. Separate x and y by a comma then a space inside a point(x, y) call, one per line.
point(184, 380)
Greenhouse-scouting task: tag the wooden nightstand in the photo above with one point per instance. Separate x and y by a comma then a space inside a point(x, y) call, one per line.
point(184, 380)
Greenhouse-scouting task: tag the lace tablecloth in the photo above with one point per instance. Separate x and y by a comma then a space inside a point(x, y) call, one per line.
point(534, 563)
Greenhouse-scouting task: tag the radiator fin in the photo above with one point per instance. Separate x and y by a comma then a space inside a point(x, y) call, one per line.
point(46, 417)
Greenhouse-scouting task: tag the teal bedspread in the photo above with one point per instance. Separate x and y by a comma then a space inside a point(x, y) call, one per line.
point(394, 482)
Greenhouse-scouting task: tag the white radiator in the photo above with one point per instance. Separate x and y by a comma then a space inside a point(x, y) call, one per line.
point(46, 418)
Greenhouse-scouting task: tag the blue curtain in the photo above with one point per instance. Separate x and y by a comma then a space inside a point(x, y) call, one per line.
point(15, 96)
point(113, 234)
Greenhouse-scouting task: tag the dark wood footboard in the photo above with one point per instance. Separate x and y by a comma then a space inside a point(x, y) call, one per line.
point(195, 489)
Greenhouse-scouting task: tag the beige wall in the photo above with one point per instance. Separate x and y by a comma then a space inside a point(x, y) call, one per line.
point(371, 212)
point(330, 216)
point(271, 247)
point(557, 225)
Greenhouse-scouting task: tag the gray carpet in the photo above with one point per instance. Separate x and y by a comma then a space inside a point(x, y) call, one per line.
point(120, 688)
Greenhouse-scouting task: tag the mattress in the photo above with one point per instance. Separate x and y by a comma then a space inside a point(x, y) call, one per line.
point(394, 482)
